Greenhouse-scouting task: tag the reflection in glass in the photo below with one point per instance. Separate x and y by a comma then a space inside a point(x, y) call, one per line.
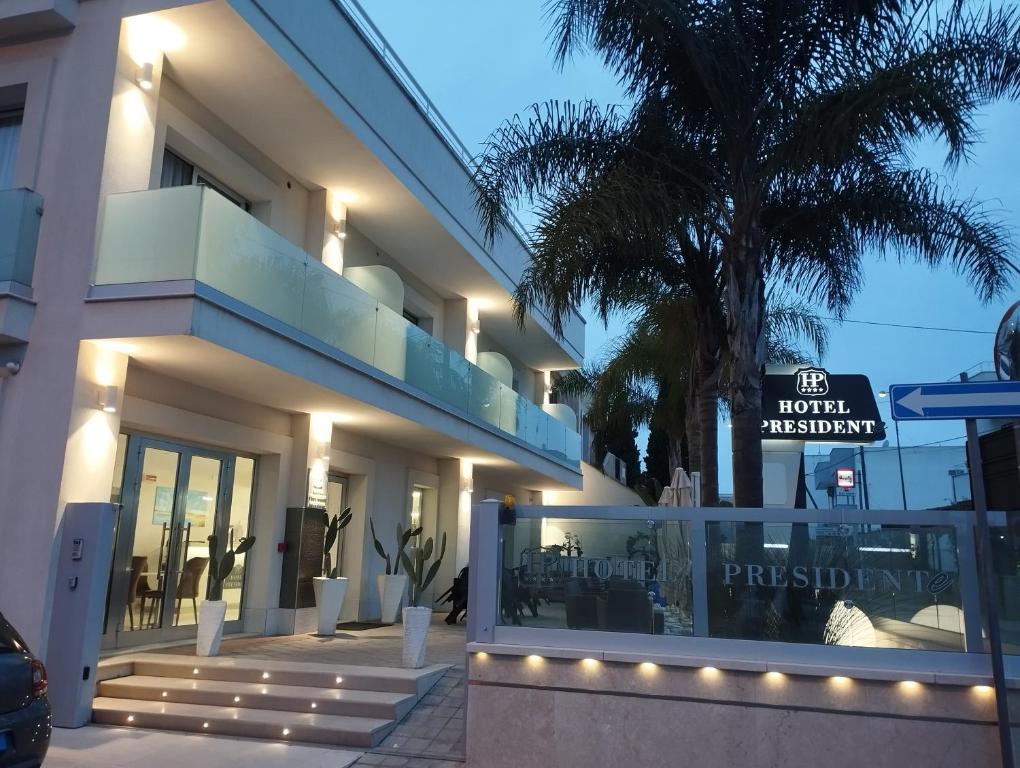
point(191, 570)
point(835, 584)
point(240, 513)
point(617, 576)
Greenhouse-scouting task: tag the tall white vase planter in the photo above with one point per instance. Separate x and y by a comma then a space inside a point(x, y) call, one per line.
point(211, 615)
point(329, 599)
point(416, 635)
point(391, 593)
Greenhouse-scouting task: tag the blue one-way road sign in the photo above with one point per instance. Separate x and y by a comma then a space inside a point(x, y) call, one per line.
point(966, 400)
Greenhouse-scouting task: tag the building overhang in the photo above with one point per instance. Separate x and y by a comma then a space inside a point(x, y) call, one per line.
point(208, 341)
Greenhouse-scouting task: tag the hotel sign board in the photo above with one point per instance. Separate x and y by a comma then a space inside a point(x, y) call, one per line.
point(813, 404)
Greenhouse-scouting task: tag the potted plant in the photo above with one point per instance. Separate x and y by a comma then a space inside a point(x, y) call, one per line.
point(331, 588)
point(213, 611)
point(392, 583)
point(418, 617)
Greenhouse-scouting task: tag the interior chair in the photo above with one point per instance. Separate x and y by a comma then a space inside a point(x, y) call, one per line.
point(145, 592)
point(581, 605)
point(139, 564)
point(187, 587)
point(630, 610)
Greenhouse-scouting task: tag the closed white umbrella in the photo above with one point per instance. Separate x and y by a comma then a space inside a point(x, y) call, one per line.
point(679, 492)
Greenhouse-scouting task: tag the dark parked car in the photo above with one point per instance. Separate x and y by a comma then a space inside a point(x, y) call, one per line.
point(24, 710)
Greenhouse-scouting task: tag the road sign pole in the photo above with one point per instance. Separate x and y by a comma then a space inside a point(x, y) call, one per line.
point(984, 555)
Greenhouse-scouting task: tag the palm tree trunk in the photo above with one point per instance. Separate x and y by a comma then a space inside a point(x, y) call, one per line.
point(745, 295)
point(693, 425)
point(708, 426)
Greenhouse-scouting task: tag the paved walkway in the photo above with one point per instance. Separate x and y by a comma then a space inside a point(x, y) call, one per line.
point(96, 746)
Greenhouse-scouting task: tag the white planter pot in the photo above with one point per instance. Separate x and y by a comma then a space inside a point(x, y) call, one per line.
point(391, 593)
point(416, 633)
point(211, 614)
point(329, 599)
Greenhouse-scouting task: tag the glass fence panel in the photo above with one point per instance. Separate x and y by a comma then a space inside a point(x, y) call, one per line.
point(508, 400)
point(484, 397)
point(573, 446)
point(149, 237)
point(1006, 565)
point(610, 575)
point(882, 586)
point(456, 378)
point(556, 440)
point(19, 234)
point(537, 425)
point(248, 261)
point(392, 337)
point(339, 313)
point(425, 363)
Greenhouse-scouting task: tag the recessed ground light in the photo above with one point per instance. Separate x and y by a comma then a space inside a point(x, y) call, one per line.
point(163, 694)
point(205, 725)
point(286, 731)
point(265, 675)
point(131, 718)
point(237, 699)
point(265, 690)
point(314, 705)
point(339, 680)
point(194, 671)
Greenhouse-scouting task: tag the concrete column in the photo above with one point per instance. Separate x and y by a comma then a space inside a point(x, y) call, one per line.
point(461, 327)
point(456, 477)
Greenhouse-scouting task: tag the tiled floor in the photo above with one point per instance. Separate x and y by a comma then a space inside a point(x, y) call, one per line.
point(379, 647)
point(432, 735)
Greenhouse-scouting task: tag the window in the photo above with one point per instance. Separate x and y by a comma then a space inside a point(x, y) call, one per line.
point(412, 318)
point(178, 172)
point(10, 133)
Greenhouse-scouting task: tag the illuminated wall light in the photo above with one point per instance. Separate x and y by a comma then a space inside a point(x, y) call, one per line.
point(144, 76)
point(467, 485)
point(476, 326)
point(108, 398)
point(775, 677)
point(535, 659)
point(648, 667)
point(983, 689)
point(840, 680)
point(481, 655)
point(590, 663)
point(910, 685)
point(710, 671)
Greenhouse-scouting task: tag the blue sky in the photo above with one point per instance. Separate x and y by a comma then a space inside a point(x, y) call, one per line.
point(481, 62)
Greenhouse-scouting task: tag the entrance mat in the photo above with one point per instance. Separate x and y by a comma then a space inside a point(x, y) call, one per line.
point(355, 626)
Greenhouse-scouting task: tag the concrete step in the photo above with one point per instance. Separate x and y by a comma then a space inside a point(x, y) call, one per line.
point(337, 730)
point(239, 669)
point(270, 695)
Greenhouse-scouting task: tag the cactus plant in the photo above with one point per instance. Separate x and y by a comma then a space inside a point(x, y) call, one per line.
point(220, 568)
point(403, 537)
point(415, 563)
point(333, 529)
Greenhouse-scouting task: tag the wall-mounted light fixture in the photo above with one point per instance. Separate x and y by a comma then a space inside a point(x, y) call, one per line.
point(468, 485)
point(341, 228)
point(144, 76)
point(476, 326)
point(108, 398)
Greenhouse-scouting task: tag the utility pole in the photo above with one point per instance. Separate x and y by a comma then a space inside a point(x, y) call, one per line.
point(984, 556)
point(864, 480)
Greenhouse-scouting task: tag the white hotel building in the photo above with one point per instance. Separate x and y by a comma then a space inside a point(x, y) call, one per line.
point(239, 259)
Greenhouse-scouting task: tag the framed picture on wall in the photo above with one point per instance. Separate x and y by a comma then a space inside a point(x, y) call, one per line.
point(162, 505)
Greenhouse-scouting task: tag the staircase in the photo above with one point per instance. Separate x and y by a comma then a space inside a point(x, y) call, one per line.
point(341, 705)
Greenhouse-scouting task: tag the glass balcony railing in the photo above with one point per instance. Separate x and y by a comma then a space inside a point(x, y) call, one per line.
point(192, 233)
point(20, 211)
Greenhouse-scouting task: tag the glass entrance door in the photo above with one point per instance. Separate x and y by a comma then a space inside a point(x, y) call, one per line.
point(174, 498)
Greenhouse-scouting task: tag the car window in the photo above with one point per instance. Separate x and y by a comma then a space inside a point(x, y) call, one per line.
point(10, 640)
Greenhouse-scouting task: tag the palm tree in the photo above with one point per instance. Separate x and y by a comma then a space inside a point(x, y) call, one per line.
point(782, 132)
point(647, 375)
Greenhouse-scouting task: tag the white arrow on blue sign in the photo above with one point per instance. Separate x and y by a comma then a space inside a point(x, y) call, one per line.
point(964, 400)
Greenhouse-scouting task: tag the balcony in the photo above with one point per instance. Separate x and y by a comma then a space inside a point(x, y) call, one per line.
point(20, 212)
point(30, 19)
point(192, 234)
